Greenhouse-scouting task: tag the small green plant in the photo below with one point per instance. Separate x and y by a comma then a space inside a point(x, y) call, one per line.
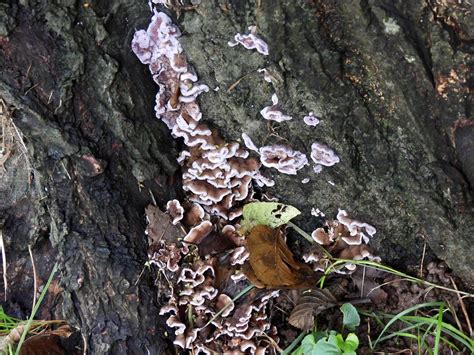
point(417, 323)
point(351, 318)
point(324, 343)
point(332, 342)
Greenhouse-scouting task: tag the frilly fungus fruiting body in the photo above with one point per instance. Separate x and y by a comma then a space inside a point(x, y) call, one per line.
point(250, 41)
point(267, 76)
point(175, 210)
point(311, 119)
point(322, 155)
point(281, 157)
point(273, 112)
point(234, 330)
point(198, 233)
point(359, 231)
point(346, 238)
point(217, 175)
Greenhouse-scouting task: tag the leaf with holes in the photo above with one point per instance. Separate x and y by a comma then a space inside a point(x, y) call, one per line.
point(271, 214)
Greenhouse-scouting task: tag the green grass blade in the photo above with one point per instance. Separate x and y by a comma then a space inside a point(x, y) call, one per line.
point(439, 326)
point(35, 310)
point(404, 330)
point(390, 270)
point(427, 331)
point(294, 343)
point(447, 329)
point(403, 313)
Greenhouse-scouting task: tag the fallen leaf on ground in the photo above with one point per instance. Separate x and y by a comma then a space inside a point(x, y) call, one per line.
point(309, 305)
point(271, 214)
point(42, 344)
point(160, 226)
point(271, 263)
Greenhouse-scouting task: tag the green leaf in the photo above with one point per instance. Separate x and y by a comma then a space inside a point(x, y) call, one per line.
point(351, 344)
point(307, 345)
point(327, 345)
point(272, 214)
point(351, 318)
point(320, 335)
point(340, 341)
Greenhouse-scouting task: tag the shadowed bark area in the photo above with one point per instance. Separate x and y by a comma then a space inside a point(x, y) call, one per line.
point(389, 80)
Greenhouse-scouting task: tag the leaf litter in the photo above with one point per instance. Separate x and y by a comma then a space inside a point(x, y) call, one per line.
point(272, 263)
point(208, 275)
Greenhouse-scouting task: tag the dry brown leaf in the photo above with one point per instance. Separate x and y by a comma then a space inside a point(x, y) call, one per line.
point(309, 305)
point(250, 274)
point(160, 226)
point(42, 344)
point(272, 263)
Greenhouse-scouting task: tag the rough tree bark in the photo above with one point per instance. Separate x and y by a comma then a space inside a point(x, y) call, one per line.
point(389, 80)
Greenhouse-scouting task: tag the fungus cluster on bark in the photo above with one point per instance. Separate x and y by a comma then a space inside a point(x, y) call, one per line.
point(347, 239)
point(218, 177)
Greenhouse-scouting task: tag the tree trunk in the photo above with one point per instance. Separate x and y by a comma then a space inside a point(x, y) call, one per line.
point(85, 106)
point(389, 81)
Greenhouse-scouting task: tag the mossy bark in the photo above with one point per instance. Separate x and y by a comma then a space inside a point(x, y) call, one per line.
point(388, 79)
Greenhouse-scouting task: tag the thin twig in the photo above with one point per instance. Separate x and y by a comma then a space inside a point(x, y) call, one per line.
point(28, 71)
point(422, 258)
point(35, 279)
point(50, 96)
point(463, 308)
point(4, 265)
point(22, 142)
point(31, 88)
point(67, 172)
point(456, 318)
point(368, 334)
point(152, 197)
point(59, 106)
point(140, 276)
point(240, 294)
point(363, 282)
point(84, 340)
point(234, 85)
point(382, 267)
point(271, 341)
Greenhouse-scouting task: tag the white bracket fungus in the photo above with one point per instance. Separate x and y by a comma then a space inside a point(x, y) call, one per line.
point(322, 155)
point(250, 41)
point(311, 119)
point(282, 158)
point(175, 210)
point(273, 112)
